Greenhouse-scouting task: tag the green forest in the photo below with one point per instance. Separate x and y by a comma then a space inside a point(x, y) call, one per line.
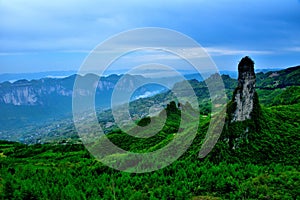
point(264, 164)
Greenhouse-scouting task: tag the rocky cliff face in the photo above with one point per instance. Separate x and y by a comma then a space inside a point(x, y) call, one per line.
point(29, 93)
point(243, 111)
point(50, 91)
point(245, 91)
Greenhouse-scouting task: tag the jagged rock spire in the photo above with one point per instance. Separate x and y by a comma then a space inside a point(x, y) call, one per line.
point(245, 91)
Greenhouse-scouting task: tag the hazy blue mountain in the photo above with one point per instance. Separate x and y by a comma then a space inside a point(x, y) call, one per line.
point(12, 77)
point(26, 101)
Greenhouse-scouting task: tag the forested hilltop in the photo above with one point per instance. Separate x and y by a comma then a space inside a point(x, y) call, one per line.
point(255, 158)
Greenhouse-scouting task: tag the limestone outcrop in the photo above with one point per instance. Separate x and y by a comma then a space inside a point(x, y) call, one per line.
point(244, 93)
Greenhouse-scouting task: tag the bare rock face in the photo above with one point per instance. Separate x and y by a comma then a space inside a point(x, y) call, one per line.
point(244, 93)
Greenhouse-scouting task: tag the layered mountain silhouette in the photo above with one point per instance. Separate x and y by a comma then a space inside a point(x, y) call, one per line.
point(24, 103)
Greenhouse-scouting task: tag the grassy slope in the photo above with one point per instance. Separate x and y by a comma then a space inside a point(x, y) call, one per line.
point(264, 168)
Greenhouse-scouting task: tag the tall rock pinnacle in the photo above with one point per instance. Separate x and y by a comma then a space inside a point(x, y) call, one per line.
point(245, 92)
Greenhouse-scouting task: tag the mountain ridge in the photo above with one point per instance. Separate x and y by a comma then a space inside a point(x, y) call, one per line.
point(20, 118)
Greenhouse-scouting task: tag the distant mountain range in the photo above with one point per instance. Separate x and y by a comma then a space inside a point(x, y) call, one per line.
point(24, 102)
point(12, 77)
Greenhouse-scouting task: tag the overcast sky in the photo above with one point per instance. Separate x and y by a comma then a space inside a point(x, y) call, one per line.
point(57, 35)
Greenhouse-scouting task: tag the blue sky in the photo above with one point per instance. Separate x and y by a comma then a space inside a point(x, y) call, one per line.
point(57, 35)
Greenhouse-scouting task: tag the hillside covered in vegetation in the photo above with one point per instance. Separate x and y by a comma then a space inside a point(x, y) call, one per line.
point(254, 159)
